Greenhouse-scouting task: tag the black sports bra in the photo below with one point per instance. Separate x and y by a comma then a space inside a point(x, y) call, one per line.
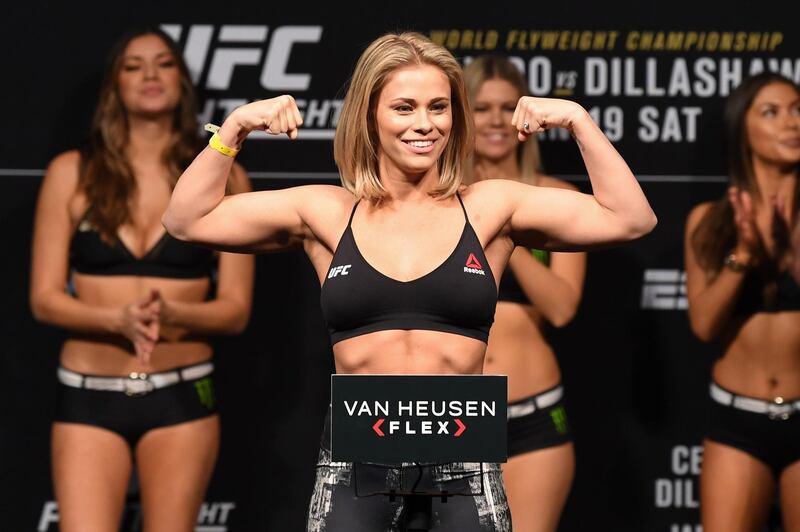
point(756, 297)
point(169, 257)
point(510, 290)
point(458, 297)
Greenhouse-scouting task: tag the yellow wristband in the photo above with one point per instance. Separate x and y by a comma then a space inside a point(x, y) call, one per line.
point(217, 144)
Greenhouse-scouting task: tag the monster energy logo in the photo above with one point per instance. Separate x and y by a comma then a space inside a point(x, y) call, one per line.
point(205, 391)
point(542, 255)
point(559, 417)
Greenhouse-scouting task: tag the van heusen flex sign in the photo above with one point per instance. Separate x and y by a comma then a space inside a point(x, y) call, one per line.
point(418, 418)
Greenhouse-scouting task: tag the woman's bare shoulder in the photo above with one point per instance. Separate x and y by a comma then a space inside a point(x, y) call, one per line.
point(492, 190)
point(698, 212)
point(325, 202)
point(489, 187)
point(65, 164)
point(494, 198)
point(62, 173)
point(333, 194)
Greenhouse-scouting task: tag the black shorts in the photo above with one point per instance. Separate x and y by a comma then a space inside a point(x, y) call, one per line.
point(132, 416)
point(346, 495)
point(773, 441)
point(531, 428)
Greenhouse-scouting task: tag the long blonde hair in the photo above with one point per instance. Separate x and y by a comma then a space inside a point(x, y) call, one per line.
point(356, 143)
point(488, 67)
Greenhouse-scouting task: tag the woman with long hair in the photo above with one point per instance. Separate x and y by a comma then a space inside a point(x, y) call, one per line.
point(135, 376)
point(422, 253)
point(741, 292)
point(537, 287)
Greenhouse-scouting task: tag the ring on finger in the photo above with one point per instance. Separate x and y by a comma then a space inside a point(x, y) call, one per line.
point(526, 126)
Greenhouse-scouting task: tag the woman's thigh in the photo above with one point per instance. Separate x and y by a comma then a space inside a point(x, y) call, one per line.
point(91, 471)
point(537, 485)
point(175, 464)
point(790, 497)
point(736, 489)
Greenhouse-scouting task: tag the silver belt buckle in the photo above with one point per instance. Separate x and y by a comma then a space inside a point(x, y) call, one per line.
point(137, 384)
point(778, 409)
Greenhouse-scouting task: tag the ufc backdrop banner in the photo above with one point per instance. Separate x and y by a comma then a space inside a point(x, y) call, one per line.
point(653, 75)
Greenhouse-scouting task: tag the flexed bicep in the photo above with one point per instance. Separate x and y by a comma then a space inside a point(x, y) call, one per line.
point(251, 222)
point(199, 211)
point(561, 220)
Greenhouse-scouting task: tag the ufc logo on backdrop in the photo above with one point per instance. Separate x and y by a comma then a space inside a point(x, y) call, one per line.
point(214, 53)
point(664, 290)
point(222, 59)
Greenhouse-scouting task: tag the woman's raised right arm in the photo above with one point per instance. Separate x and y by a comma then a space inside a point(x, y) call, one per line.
point(200, 212)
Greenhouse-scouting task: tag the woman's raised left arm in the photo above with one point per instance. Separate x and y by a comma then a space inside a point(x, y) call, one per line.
point(616, 211)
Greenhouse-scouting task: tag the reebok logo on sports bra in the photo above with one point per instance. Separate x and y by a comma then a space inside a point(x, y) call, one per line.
point(339, 270)
point(473, 266)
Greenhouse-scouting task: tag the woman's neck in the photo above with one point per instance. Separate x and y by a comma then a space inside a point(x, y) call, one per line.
point(405, 186)
point(148, 137)
point(774, 180)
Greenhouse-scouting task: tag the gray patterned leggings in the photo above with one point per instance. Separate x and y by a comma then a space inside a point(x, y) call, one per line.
point(347, 497)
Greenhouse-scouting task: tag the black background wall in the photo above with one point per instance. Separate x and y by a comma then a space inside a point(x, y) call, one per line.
point(636, 378)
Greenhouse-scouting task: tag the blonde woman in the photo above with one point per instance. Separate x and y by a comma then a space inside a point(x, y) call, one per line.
point(406, 229)
point(537, 287)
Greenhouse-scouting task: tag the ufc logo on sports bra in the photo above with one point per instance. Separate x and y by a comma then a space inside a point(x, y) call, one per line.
point(339, 270)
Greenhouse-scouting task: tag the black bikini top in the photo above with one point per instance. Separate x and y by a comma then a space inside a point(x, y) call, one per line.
point(757, 296)
point(169, 257)
point(458, 297)
point(510, 290)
